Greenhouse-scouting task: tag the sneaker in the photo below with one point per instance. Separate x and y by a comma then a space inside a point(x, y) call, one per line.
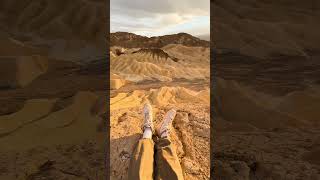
point(164, 129)
point(148, 117)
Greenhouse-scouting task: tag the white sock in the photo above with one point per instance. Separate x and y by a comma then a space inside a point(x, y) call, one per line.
point(147, 134)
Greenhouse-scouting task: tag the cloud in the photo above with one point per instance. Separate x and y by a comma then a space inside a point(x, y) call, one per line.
point(151, 17)
point(171, 19)
point(162, 6)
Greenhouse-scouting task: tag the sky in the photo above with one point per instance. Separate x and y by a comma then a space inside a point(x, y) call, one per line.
point(160, 17)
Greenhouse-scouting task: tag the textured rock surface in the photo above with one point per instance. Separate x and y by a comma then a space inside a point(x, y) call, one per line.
point(190, 134)
point(52, 126)
point(173, 76)
point(266, 60)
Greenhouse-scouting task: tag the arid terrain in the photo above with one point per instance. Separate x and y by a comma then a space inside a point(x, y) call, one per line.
point(52, 93)
point(51, 115)
point(266, 90)
point(167, 75)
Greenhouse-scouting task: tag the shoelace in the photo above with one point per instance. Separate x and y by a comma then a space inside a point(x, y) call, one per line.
point(165, 131)
point(148, 122)
point(166, 128)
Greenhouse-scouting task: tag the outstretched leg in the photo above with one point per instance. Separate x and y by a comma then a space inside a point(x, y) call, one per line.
point(141, 162)
point(167, 163)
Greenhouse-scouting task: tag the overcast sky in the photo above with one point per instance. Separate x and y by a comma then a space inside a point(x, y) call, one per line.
point(161, 17)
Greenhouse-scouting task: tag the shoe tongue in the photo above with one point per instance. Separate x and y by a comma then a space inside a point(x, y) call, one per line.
point(165, 129)
point(147, 116)
point(167, 132)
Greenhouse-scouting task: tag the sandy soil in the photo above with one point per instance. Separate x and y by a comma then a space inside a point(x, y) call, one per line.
point(54, 126)
point(168, 77)
point(261, 136)
point(51, 102)
point(266, 96)
point(54, 133)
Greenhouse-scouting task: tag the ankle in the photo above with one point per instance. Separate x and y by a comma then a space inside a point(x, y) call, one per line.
point(147, 133)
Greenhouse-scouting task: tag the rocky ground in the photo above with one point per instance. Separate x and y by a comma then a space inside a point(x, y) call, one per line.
point(265, 96)
point(265, 121)
point(54, 126)
point(260, 136)
point(190, 135)
point(52, 94)
point(53, 107)
point(174, 76)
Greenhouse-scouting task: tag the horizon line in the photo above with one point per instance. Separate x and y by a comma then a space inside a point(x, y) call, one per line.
point(197, 36)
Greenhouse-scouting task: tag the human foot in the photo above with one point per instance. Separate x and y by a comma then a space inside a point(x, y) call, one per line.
point(164, 129)
point(147, 126)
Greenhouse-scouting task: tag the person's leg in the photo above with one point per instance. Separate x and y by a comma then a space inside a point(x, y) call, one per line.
point(141, 162)
point(167, 163)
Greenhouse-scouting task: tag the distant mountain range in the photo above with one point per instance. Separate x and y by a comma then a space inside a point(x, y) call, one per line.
point(130, 40)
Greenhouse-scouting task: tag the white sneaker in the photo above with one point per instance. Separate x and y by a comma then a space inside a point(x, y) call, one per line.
point(164, 129)
point(148, 117)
